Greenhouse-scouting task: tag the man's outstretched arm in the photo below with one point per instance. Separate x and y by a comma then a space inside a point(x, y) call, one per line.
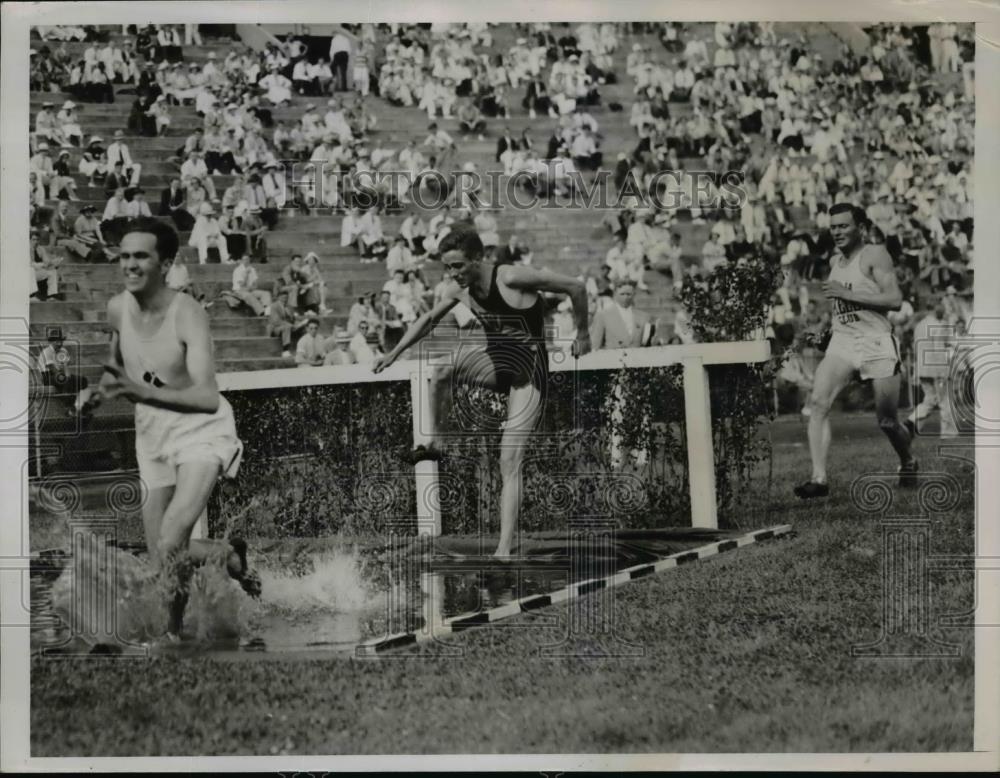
point(417, 331)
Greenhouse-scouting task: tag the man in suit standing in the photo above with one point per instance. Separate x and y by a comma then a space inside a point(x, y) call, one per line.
point(619, 324)
point(506, 141)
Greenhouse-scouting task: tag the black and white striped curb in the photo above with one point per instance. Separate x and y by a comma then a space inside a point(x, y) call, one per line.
point(569, 593)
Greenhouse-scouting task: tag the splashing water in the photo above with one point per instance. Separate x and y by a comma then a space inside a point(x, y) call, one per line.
point(107, 595)
point(320, 600)
point(333, 583)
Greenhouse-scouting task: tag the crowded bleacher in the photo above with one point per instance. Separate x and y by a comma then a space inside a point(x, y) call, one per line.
point(254, 151)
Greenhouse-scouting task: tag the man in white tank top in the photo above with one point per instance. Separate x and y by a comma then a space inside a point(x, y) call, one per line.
point(862, 289)
point(162, 360)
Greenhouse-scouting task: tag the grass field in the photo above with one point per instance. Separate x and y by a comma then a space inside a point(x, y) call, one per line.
point(750, 651)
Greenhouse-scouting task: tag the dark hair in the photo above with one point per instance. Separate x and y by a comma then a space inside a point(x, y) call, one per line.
point(167, 242)
point(858, 214)
point(466, 241)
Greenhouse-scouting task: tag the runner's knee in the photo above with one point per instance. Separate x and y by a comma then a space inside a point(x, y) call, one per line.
point(820, 402)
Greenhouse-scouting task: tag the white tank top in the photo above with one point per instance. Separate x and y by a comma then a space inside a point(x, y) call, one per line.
point(848, 317)
point(159, 359)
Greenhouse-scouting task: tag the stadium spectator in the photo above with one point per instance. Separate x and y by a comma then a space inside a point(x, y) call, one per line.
point(291, 281)
point(44, 171)
point(119, 151)
point(69, 124)
point(511, 252)
point(89, 243)
point(413, 230)
point(399, 257)
point(362, 310)
point(390, 325)
point(116, 179)
point(207, 236)
point(371, 238)
point(619, 325)
point(314, 290)
point(283, 323)
point(194, 169)
point(361, 75)
point(277, 88)
point(336, 351)
point(311, 348)
point(115, 217)
point(178, 278)
point(340, 55)
point(61, 226)
point(93, 164)
point(173, 203)
point(418, 294)
point(45, 267)
point(255, 229)
point(360, 349)
point(470, 120)
point(137, 206)
point(159, 112)
point(441, 144)
point(506, 142)
point(245, 291)
point(47, 127)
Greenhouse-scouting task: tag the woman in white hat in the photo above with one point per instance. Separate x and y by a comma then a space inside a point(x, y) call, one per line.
point(69, 123)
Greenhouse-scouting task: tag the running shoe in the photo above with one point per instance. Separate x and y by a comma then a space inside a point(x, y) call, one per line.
point(908, 474)
point(811, 489)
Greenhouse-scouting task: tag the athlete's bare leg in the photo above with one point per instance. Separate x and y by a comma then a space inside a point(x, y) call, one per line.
point(524, 408)
point(886, 405)
point(832, 375)
point(169, 516)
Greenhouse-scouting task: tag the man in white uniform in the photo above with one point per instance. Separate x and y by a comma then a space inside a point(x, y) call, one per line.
point(862, 288)
point(161, 360)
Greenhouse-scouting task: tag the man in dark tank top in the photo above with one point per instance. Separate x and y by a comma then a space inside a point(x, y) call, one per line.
point(508, 301)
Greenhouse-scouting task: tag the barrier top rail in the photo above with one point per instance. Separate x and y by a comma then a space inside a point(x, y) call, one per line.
point(745, 352)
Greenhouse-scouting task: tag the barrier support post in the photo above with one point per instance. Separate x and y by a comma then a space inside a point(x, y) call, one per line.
point(425, 472)
point(701, 461)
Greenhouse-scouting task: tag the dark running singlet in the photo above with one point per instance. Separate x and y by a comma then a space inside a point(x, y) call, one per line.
point(515, 337)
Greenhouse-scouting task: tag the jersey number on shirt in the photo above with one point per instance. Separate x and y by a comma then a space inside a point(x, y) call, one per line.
point(845, 310)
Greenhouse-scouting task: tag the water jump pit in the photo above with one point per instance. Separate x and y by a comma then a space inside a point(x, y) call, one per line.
point(340, 598)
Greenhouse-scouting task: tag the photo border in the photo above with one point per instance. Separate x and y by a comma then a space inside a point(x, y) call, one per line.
point(14, 669)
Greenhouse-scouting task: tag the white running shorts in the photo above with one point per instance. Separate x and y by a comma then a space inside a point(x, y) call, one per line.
point(873, 356)
point(166, 439)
